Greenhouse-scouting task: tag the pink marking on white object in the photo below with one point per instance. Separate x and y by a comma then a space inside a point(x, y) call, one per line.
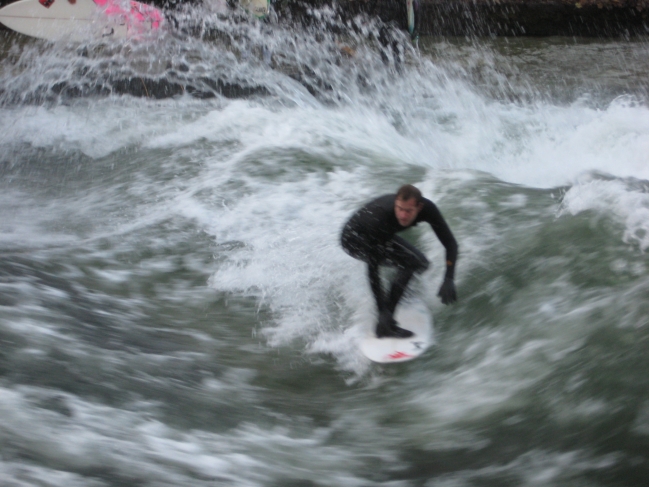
point(138, 13)
point(400, 355)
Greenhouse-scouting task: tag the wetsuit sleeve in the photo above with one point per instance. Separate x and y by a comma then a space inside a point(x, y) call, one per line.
point(434, 218)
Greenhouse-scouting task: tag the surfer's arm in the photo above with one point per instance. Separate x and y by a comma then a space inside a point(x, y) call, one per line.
point(434, 218)
point(450, 244)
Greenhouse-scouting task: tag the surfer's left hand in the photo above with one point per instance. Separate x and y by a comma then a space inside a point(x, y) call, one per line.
point(447, 292)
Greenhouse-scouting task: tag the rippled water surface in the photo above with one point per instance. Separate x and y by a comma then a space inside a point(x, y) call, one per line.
point(175, 309)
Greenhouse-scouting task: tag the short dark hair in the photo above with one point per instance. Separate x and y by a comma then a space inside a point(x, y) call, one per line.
point(408, 191)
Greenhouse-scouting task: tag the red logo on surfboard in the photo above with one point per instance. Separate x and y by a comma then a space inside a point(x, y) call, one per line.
point(398, 355)
point(46, 3)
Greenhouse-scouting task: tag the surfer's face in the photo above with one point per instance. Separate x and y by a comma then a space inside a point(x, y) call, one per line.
point(406, 211)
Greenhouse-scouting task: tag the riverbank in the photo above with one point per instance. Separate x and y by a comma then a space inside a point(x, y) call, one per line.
point(598, 18)
point(589, 18)
point(480, 18)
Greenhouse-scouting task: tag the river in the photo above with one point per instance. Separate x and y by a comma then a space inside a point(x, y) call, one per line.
point(175, 308)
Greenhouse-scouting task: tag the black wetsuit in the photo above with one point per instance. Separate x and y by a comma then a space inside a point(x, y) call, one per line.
point(370, 235)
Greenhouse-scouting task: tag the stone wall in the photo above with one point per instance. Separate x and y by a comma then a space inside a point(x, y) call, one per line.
point(604, 18)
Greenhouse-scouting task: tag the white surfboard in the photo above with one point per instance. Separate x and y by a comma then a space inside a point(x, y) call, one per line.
point(412, 315)
point(78, 20)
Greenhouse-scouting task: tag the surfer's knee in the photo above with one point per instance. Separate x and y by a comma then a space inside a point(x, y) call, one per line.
point(416, 261)
point(420, 264)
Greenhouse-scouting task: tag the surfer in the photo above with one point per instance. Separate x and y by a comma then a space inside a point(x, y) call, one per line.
point(370, 236)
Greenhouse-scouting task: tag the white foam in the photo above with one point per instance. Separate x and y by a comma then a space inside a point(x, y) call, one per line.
point(128, 443)
point(20, 474)
point(533, 468)
point(570, 141)
point(96, 129)
point(628, 205)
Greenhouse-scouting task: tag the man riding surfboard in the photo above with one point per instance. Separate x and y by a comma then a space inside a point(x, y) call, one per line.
point(370, 236)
